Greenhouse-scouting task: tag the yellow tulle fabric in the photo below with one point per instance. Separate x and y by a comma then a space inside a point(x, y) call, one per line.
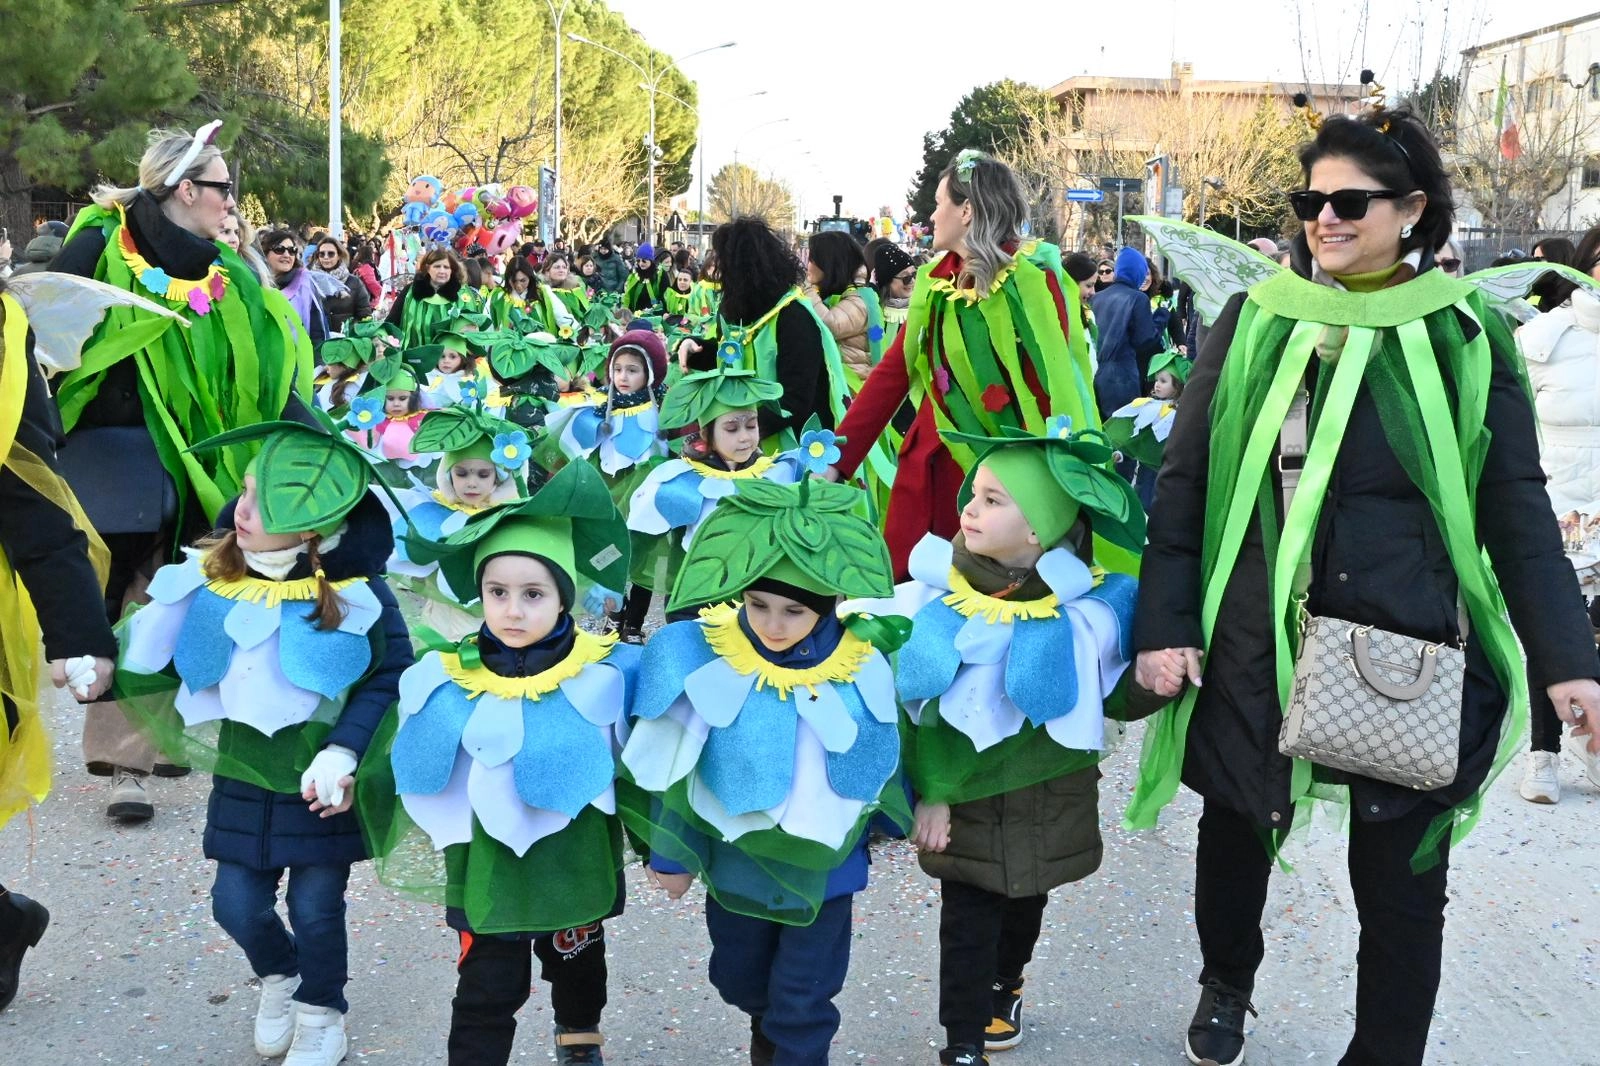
point(25, 751)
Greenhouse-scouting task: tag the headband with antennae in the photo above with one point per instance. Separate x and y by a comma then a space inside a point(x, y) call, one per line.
point(202, 137)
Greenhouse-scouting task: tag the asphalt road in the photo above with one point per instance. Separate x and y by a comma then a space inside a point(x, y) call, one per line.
point(133, 969)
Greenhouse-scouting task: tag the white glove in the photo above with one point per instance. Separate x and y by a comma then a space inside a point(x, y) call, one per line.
point(330, 764)
point(80, 675)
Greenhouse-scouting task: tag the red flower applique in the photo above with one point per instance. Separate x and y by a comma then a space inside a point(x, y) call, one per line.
point(995, 398)
point(941, 378)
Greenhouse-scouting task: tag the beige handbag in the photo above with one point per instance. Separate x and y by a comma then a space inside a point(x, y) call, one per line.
point(1364, 700)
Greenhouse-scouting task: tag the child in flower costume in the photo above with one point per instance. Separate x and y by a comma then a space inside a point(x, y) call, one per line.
point(458, 373)
point(1139, 430)
point(678, 494)
point(269, 656)
point(484, 463)
point(764, 734)
point(1019, 651)
point(504, 756)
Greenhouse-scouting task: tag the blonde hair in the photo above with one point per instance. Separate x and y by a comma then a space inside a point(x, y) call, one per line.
point(999, 209)
point(164, 151)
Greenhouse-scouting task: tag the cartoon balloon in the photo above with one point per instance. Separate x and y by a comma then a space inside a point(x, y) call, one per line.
point(523, 199)
point(438, 225)
point(506, 235)
point(413, 213)
point(425, 189)
point(466, 214)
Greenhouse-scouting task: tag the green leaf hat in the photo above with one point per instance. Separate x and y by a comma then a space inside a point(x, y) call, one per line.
point(810, 535)
point(700, 397)
point(571, 521)
point(464, 432)
point(1058, 476)
point(307, 478)
point(1179, 366)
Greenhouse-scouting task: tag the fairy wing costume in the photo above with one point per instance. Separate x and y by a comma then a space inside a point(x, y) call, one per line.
point(1419, 396)
point(52, 566)
point(760, 777)
point(243, 354)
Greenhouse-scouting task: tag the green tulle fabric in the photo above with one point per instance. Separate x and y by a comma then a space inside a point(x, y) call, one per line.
point(767, 874)
point(564, 880)
point(1411, 341)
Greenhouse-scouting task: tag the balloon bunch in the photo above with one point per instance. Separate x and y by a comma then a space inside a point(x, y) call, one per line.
point(489, 216)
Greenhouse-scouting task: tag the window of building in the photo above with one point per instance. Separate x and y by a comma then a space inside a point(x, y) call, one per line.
point(1591, 172)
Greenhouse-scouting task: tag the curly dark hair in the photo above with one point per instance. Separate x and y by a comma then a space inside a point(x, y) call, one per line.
point(1398, 152)
point(519, 265)
point(756, 268)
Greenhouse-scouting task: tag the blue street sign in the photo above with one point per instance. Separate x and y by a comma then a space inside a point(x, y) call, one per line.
point(1086, 196)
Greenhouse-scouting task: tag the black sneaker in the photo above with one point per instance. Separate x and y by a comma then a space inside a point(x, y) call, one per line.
point(26, 925)
point(762, 1049)
point(1005, 1027)
point(1216, 1033)
point(965, 1055)
point(579, 1047)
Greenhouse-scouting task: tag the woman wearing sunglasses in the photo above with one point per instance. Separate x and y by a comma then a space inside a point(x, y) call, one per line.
point(1417, 406)
point(306, 290)
point(238, 363)
point(354, 303)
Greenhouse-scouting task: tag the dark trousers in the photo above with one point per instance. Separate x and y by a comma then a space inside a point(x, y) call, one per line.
point(636, 606)
point(1544, 726)
point(984, 938)
point(244, 901)
point(786, 975)
point(1401, 916)
point(495, 977)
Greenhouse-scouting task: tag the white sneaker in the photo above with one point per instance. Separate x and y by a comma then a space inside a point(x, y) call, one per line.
point(1539, 781)
point(1591, 762)
point(319, 1038)
point(275, 1014)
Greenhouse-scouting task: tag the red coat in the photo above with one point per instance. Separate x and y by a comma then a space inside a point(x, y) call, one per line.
point(928, 479)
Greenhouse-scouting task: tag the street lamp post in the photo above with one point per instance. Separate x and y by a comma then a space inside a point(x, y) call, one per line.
point(652, 85)
point(557, 16)
point(1577, 111)
point(335, 147)
point(1207, 183)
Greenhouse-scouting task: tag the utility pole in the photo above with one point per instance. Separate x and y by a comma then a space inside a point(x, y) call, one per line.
point(335, 154)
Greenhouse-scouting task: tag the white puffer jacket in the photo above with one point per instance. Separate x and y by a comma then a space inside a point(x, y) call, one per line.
point(1562, 351)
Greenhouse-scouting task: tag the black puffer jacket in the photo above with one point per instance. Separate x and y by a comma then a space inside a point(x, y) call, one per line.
point(1379, 559)
point(266, 830)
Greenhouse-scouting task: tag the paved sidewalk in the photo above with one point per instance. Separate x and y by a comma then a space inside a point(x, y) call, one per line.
point(133, 970)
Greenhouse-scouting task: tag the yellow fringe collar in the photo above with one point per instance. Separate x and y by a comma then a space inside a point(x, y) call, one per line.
point(968, 601)
point(756, 469)
point(722, 633)
point(586, 650)
point(636, 409)
point(457, 505)
point(272, 593)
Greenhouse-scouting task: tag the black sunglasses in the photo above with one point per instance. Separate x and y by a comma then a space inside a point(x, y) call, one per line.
point(224, 187)
point(1450, 265)
point(1349, 204)
point(1105, 270)
point(328, 251)
point(282, 249)
point(907, 278)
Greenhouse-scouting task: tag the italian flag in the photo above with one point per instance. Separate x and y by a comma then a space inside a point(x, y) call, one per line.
point(1505, 119)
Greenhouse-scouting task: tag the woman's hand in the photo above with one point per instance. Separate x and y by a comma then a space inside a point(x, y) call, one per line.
point(1578, 704)
point(1164, 672)
point(675, 885)
point(931, 829)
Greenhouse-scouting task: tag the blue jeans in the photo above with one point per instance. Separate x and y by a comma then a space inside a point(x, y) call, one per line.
point(244, 901)
point(786, 975)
